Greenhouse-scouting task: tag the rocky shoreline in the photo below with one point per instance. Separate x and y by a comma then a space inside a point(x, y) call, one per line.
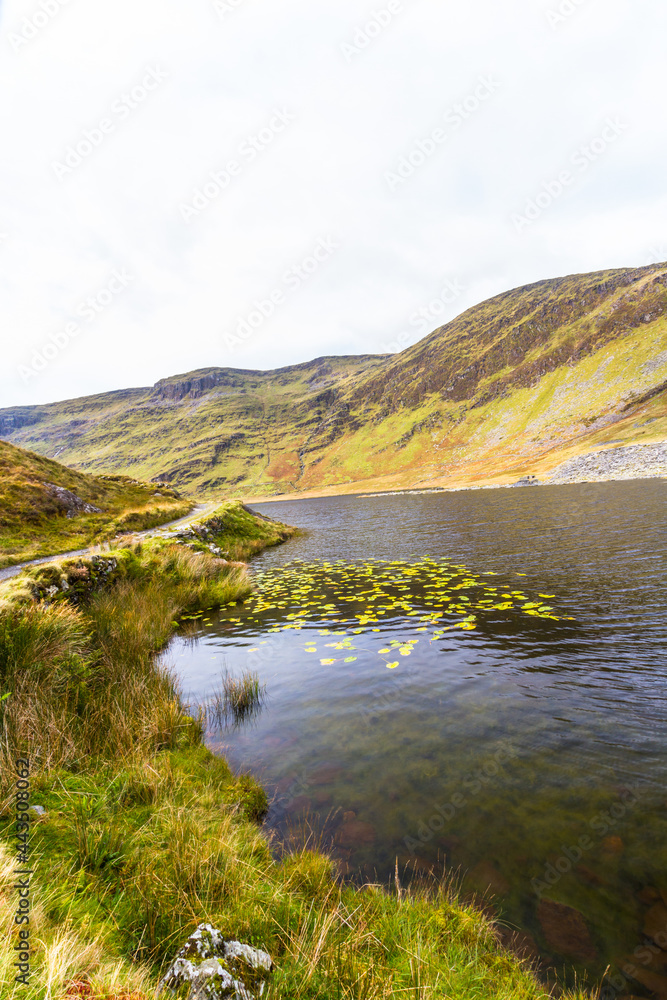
point(635, 461)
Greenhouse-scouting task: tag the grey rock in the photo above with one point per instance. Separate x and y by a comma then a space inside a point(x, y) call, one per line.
point(215, 969)
point(209, 980)
point(70, 502)
point(253, 957)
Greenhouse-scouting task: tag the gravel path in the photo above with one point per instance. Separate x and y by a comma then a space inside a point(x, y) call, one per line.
point(163, 530)
point(634, 461)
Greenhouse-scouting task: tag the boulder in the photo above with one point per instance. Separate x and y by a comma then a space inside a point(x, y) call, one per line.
point(655, 923)
point(326, 774)
point(299, 804)
point(652, 981)
point(565, 931)
point(486, 877)
point(612, 845)
point(216, 969)
point(355, 833)
point(648, 895)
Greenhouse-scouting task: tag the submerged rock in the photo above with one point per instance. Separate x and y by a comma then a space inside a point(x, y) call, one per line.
point(565, 931)
point(354, 833)
point(652, 981)
point(327, 774)
point(299, 804)
point(648, 895)
point(588, 875)
point(216, 969)
point(521, 943)
point(613, 845)
point(655, 923)
point(486, 877)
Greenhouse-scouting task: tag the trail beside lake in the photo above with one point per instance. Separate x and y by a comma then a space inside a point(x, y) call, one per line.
point(163, 530)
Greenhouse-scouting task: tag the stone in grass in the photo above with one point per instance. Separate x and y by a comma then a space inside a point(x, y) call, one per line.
point(216, 969)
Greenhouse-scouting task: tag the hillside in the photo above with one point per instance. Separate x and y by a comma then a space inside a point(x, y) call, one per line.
point(518, 384)
point(46, 508)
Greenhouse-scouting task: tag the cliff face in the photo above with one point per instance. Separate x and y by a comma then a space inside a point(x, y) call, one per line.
point(520, 379)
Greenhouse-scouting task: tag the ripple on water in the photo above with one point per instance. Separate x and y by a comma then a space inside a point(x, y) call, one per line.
point(409, 723)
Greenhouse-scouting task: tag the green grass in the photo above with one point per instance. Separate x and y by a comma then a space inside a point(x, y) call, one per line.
point(236, 531)
point(34, 521)
point(147, 834)
point(133, 858)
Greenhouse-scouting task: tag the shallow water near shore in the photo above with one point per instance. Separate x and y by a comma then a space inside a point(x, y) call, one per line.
point(476, 680)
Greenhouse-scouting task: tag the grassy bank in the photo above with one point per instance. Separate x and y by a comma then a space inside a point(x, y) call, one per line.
point(235, 532)
point(47, 508)
point(146, 834)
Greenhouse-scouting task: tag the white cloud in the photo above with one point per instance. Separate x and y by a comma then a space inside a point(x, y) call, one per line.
point(324, 175)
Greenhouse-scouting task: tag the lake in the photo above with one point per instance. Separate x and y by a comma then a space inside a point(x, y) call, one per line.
point(473, 680)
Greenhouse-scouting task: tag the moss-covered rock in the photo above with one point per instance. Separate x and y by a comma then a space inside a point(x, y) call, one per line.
point(213, 968)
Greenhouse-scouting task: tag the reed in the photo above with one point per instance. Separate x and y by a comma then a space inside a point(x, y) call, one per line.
point(237, 700)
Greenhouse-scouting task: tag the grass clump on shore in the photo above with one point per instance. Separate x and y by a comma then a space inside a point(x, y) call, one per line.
point(237, 700)
point(146, 834)
point(46, 508)
point(236, 531)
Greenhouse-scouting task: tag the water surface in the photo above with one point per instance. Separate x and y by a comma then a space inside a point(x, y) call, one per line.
point(526, 752)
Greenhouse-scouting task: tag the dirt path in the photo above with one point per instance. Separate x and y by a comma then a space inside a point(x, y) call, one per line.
point(162, 530)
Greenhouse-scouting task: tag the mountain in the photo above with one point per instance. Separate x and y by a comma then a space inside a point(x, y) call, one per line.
point(517, 384)
point(47, 508)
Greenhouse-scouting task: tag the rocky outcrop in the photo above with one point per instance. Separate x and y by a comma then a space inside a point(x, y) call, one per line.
point(11, 420)
point(69, 502)
point(193, 387)
point(215, 969)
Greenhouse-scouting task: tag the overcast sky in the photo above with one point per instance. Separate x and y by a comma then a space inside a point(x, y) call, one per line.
point(252, 184)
